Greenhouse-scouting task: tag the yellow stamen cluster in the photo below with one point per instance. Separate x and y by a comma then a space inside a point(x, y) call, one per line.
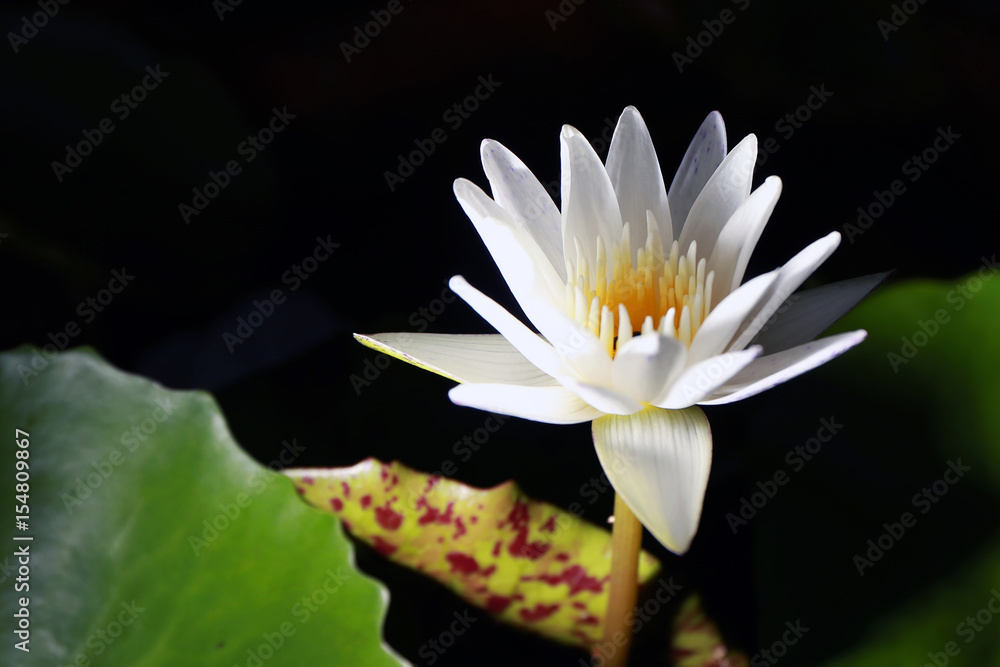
point(669, 294)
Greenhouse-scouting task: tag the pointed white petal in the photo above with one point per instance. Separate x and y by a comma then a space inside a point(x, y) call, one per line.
point(580, 349)
point(774, 369)
point(790, 276)
point(527, 342)
point(808, 313)
point(518, 191)
point(589, 205)
point(645, 365)
point(739, 237)
point(553, 405)
point(658, 461)
point(462, 357)
point(703, 378)
point(725, 319)
point(635, 175)
point(722, 195)
point(513, 248)
point(608, 401)
point(703, 156)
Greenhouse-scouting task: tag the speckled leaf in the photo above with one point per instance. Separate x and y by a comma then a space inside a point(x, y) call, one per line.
point(696, 641)
point(530, 563)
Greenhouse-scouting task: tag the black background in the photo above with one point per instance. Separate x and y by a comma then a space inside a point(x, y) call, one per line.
point(324, 176)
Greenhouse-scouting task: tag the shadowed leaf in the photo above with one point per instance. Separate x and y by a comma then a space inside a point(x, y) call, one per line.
point(158, 542)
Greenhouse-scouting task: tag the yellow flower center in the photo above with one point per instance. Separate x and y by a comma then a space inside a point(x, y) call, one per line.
point(669, 294)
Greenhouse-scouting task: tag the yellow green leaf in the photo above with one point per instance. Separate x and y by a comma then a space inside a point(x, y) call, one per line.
point(697, 642)
point(530, 563)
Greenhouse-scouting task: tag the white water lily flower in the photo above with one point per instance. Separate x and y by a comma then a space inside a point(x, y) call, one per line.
point(637, 294)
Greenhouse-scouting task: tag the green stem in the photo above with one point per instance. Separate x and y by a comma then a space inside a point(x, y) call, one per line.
point(626, 541)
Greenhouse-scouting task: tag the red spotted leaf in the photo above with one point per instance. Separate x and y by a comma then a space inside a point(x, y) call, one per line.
point(530, 563)
point(696, 641)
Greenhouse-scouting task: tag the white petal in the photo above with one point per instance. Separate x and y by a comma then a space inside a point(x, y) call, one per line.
point(513, 248)
point(725, 319)
point(739, 237)
point(658, 462)
point(808, 313)
point(635, 175)
point(790, 276)
point(462, 357)
point(774, 369)
point(589, 205)
point(553, 405)
point(527, 342)
point(722, 195)
point(703, 156)
point(646, 364)
point(608, 401)
point(518, 191)
point(578, 347)
point(703, 378)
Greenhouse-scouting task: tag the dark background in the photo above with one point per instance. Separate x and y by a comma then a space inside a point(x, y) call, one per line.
point(324, 176)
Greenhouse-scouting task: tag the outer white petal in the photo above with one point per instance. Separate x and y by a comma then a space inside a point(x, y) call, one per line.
point(646, 365)
point(638, 183)
point(739, 237)
point(527, 342)
point(703, 378)
point(608, 401)
point(574, 352)
point(790, 276)
point(725, 319)
point(518, 191)
point(462, 357)
point(513, 248)
point(658, 461)
point(589, 205)
point(722, 195)
point(553, 405)
point(808, 313)
point(703, 156)
point(774, 369)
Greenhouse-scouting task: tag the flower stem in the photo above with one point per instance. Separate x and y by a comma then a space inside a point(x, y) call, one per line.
point(626, 541)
